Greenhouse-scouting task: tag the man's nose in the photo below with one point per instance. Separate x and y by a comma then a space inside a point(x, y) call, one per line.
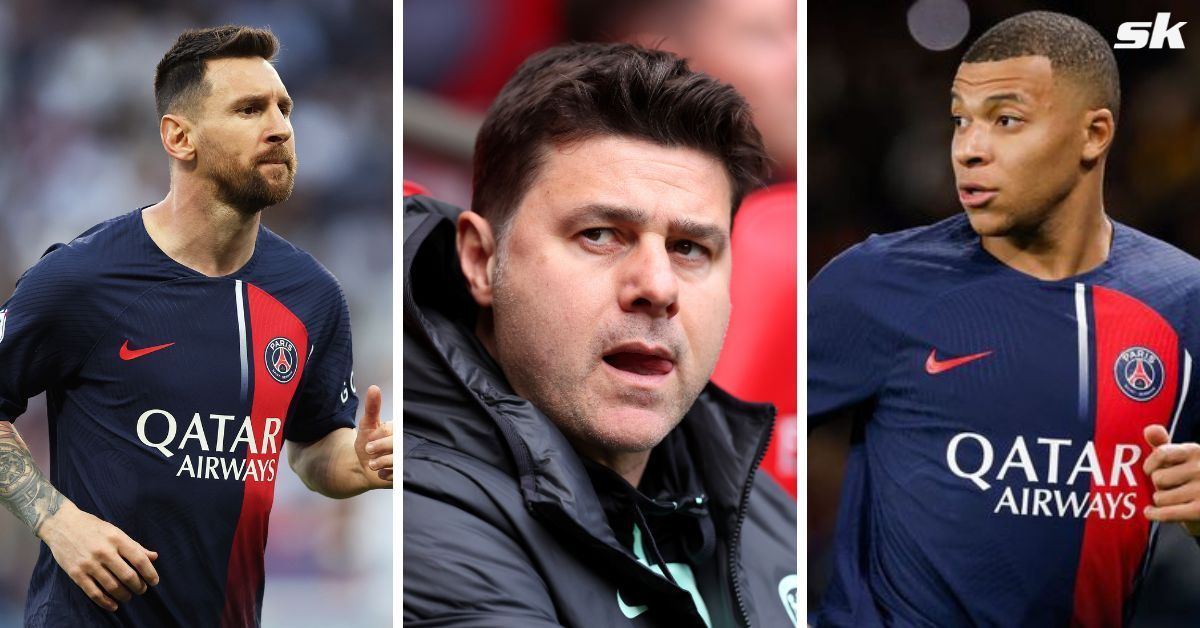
point(649, 283)
point(971, 146)
point(280, 127)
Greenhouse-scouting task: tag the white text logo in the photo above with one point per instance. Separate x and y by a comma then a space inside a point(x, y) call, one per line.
point(972, 457)
point(1138, 34)
point(163, 426)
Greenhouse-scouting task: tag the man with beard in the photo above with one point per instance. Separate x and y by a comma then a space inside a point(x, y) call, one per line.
point(1017, 375)
point(567, 462)
point(179, 345)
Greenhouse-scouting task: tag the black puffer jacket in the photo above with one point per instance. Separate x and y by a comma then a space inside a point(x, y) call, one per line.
point(502, 524)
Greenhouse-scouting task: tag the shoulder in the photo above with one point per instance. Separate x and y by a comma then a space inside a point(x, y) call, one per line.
point(1147, 258)
point(947, 245)
point(895, 274)
point(446, 474)
point(76, 263)
point(470, 545)
point(282, 263)
point(446, 490)
point(773, 509)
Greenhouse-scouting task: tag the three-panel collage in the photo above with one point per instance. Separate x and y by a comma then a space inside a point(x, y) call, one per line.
point(495, 313)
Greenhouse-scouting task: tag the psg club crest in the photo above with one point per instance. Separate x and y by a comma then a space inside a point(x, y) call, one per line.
point(1139, 373)
point(281, 359)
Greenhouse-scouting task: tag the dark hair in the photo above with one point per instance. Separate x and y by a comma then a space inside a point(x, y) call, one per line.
point(1075, 50)
point(179, 77)
point(579, 91)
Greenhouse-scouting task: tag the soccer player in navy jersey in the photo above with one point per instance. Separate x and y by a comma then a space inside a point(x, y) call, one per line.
point(179, 346)
point(1014, 373)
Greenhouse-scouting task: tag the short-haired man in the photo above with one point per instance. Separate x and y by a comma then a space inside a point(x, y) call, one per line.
point(565, 461)
point(179, 345)
point(1014, 371)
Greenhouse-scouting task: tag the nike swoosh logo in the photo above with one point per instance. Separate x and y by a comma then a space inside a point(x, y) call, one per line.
point(630, 611)
point(933, 366)
point(133, 354)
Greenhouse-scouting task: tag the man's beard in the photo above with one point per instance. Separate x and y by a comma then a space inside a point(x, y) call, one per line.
point(246, 189)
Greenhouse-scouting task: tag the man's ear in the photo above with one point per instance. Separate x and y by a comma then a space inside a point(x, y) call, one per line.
point(1100, 129)
point(176, 134)
point(477, 255)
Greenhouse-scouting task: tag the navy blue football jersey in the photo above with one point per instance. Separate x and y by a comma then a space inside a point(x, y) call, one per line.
point(169, 395)
point(995, 477)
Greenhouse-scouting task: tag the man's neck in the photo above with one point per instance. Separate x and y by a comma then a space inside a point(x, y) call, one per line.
point(207, 236)
point(630, 466)
point(1075, 239)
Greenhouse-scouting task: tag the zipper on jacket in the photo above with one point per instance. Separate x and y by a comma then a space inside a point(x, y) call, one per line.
point(735, 542)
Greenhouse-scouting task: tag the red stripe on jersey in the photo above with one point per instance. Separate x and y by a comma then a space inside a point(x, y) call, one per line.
point(269, 320)
point(1113, 548)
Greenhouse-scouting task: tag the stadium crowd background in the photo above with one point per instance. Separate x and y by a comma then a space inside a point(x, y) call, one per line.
point(79, 144)
point(879, 160)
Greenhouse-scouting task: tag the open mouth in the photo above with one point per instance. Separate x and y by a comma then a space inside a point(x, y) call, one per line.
point(975, 196)
point(639, 363)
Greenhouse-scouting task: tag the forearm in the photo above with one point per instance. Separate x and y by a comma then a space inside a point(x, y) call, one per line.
point(330, 466)
point(24, 490)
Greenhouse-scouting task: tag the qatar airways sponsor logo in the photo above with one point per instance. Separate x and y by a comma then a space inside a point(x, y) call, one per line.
point(227, 439)
point(1058, 472)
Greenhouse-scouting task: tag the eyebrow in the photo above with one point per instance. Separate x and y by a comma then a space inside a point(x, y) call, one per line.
point(254, 99)
point(687, 227)
point(1001, 97)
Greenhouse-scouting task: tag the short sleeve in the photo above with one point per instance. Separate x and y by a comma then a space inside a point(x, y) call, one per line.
point(327, 398)
point(43, 332)
point(848, 342)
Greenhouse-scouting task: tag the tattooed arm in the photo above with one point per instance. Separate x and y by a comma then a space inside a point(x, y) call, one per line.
point(100, 558)
point(23, 489)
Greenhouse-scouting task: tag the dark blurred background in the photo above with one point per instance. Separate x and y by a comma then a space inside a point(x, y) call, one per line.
point(79, 144)
point(879, 160)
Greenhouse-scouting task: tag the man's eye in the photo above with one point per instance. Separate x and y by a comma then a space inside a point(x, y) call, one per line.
point(598, 236)
point(958, 121)
point(249, 110)
point(689, 249)
point(1007, 121)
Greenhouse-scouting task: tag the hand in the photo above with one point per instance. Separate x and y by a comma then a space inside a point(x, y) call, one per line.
point(100, 558)
point(373, 442)
point(1174, 469)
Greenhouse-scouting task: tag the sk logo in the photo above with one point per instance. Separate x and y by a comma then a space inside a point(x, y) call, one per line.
point(1139, 34)
point(3, 317)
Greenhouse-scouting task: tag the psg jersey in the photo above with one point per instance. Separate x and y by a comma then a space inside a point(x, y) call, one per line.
point(995, 478)
point(170, 394)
